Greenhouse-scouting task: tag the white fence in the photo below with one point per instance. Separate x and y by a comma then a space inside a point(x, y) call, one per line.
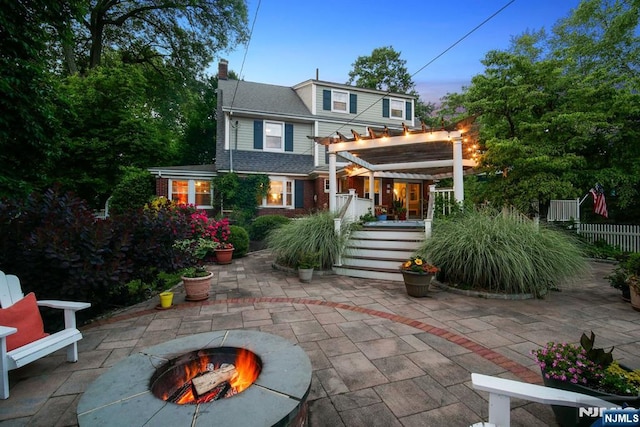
point(625, 237)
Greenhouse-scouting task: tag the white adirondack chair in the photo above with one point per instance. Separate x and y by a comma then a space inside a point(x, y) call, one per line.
point(502, 390)
point(10, 293)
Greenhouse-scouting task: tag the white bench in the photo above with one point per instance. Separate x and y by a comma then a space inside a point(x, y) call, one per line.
point(502, 390)
point(10, 293)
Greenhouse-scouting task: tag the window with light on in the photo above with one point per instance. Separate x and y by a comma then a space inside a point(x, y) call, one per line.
point(280, 194)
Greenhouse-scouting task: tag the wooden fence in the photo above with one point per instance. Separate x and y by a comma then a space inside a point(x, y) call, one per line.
point(625, 237)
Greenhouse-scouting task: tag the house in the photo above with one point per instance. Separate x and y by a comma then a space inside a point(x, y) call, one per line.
point(318, 139)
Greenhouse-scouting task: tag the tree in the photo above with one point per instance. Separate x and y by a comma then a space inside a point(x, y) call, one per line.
point(385, 70)
point(555, 114)
point(28, 100)
point(112, 123)
point(183, 33)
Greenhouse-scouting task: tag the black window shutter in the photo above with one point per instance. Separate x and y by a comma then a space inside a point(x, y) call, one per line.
point(353, 103)
point(408, 112)
point(326, 154)
point(288, 137)
point(385, 107)
point(299, 193)
point(257, 134)
point(326, 100)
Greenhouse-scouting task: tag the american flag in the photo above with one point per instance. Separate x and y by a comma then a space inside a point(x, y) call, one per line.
point(599, 204)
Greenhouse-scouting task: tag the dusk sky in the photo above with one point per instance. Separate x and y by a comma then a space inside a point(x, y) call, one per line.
point(291, 39)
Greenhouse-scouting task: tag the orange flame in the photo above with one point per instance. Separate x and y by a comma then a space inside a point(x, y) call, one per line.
point(248, 370)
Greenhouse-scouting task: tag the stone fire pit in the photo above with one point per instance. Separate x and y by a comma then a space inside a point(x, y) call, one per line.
point(122, 396)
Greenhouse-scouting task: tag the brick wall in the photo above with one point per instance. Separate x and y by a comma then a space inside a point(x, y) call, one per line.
point(162, 187)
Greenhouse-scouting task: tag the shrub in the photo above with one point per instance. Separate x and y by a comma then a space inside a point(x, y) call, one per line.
point(134, 190)
point(60, 251)
point(312, 233)
point(262, 225)
point(239, 238)
point(493, 252)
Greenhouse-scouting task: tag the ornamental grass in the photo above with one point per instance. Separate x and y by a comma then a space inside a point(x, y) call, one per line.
point(491, 251)
point(309, 234)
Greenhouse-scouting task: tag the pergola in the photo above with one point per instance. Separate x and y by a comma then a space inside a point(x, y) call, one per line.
point(420, 154)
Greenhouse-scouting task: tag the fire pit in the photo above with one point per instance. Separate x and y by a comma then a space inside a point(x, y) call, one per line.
point(243, 378)
point(206, 375)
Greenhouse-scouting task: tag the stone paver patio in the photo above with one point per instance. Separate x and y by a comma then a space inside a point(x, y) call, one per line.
point(379, 357)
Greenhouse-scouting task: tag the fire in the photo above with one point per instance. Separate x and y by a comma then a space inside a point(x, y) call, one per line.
point(248, 370)
point(246, 366)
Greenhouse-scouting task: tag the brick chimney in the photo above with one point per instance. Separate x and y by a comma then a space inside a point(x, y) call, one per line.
point(223, 69)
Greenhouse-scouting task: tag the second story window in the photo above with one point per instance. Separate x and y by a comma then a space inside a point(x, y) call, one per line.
point(340, 101)
point(273, 136)
point(397, 109)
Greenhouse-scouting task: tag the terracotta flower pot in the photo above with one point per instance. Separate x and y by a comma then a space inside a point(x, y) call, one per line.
point(417, 284)
point(197, 288)
point(635, 296)
point(224, 256)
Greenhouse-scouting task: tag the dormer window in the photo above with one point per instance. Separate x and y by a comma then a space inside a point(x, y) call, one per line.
point(339, 101)
point(397, 109)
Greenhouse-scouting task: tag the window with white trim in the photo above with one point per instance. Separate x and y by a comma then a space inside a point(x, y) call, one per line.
point(397, 109)
point(339, 101)
point(327, 187)
point(280, 193)
point(376, 189)
point(273, 139)
point(191, 192)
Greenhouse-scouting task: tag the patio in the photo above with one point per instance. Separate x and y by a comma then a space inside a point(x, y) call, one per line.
point(379, 357)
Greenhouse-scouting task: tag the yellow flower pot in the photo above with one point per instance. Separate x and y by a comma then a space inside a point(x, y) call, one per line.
point(166, 298)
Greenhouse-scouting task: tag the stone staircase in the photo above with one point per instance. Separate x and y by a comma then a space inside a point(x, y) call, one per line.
point(376, 251)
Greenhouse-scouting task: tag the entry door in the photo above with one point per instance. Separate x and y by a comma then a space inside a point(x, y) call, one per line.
point(410, 194)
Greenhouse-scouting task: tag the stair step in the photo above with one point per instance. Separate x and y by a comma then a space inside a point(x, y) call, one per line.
point(368, 273)
point(372, 253)
point(385, 244)
point(373, 263)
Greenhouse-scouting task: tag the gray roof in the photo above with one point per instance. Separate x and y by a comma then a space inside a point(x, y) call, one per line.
point(260, 97)
point(260, 161)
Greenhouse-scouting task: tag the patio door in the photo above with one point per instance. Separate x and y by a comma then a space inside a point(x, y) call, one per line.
point(410, 195)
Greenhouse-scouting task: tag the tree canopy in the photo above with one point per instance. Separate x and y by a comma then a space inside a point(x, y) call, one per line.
point(385, 70)
point(90, 88)
point(559, 112)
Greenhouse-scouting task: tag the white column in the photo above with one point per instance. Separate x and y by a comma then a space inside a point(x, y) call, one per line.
point(458, 185)
point(333, 183)
point(372, 186)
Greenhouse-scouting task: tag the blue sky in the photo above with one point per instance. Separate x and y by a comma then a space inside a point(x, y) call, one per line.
point(293, 38)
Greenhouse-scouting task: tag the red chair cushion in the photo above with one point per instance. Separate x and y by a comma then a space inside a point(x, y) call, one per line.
point(25, 316)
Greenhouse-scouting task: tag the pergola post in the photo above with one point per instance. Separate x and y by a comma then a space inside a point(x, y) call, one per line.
point(333, 183)
point(372, 187)
point(458, 185)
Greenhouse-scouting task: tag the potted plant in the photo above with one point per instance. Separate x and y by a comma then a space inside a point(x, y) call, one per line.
point(399, 209)
point(619, 280)
point(632, 267)
point(196, 280)
point(307, 262)
point(381, 213)
point(197, 283)
point(221, 233)
point(417, 274)
point(587, 370)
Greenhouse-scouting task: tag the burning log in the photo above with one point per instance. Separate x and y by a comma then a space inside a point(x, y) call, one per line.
point(212, 379)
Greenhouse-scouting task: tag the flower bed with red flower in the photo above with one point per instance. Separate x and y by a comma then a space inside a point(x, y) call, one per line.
point(419, 265)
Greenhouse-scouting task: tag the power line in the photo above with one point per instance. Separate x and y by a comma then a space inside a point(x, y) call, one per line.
point(434, 59)
point(246, 50)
